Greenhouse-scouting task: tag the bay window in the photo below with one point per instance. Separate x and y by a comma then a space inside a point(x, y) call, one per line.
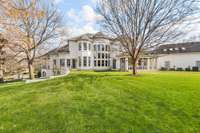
point(84, 61)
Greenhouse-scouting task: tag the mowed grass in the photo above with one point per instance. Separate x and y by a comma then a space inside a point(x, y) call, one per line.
point(109, 102)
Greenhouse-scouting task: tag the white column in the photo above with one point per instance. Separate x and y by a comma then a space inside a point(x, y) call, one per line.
point(126, 64)
point(148, 64)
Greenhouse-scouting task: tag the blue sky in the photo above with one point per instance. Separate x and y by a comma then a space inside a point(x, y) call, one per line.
point(79, 16)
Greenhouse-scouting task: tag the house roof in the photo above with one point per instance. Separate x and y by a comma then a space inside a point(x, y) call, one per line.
point(89, 36)
point(178, 48)
point(64, 48)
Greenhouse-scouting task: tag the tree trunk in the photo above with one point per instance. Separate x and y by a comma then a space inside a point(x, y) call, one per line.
point(31, 70)
point(134, 72)
point(1, 75)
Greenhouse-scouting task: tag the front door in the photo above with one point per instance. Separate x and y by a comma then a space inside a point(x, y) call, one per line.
point(73, 63)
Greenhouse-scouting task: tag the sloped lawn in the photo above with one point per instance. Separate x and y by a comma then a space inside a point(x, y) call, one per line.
point(112, 102)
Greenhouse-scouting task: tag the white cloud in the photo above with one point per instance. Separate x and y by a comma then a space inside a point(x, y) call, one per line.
point(89, 14)
point(57, 1)
point(83, 21)
point(76, 30)
point(72, 14)
point(94, 1)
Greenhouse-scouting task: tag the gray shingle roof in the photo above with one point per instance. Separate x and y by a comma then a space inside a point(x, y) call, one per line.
point(178, 48)
point(89, 36)
point(58, 50)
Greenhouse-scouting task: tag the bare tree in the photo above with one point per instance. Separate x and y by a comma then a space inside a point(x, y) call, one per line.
point(30, 24)
point(3, 41)
point(142, 24)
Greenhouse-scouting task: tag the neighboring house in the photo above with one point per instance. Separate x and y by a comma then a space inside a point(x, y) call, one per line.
point(181, 55)
point(100, 53)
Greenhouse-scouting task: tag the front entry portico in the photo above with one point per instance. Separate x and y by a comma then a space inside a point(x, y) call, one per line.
point(144, 63)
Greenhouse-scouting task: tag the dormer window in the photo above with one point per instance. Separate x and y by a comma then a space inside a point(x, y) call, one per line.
point(183, 48)
point(176, 49)
point(165, 50)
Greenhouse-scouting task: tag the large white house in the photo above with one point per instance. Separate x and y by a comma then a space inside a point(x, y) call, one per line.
point(100, 52)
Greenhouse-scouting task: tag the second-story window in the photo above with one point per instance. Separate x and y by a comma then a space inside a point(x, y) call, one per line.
point(103, 48)
point(102, 55)
point(107, 48)
point(85, 46)
point(95, 48)
point(89, 46)
point(54, 62)
point(99, 47)
point(99, 55)
point(79, 47)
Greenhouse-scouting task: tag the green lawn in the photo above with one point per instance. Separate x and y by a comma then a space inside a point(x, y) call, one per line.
point(112, 102)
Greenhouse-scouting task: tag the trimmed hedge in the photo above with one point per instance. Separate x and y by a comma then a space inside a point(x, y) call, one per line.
point(163, 69)
point(172, 69)
point(188, 69)
point(195, 69)
point(179, 69)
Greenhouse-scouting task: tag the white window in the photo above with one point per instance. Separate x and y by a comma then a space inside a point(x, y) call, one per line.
point(68, 63)
point(171, 49)
point(183, 48)
point(62, 62)
point(99, 63)
point(89, 45)
point(167, 64)
point(107, 48)
point(99, 47)
point(95, 48)
point(54, 62)
point(198, 64)
point(102, 63)
point(164, 50)
point(95, 63)
point(99, 55)
point(103, 56)
point(103, 47)
point(106, 63)
point(80, 47)
point(176, 49)
point(84, 61)
point(89, 61)
point(85, 46)
point(79, 59)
